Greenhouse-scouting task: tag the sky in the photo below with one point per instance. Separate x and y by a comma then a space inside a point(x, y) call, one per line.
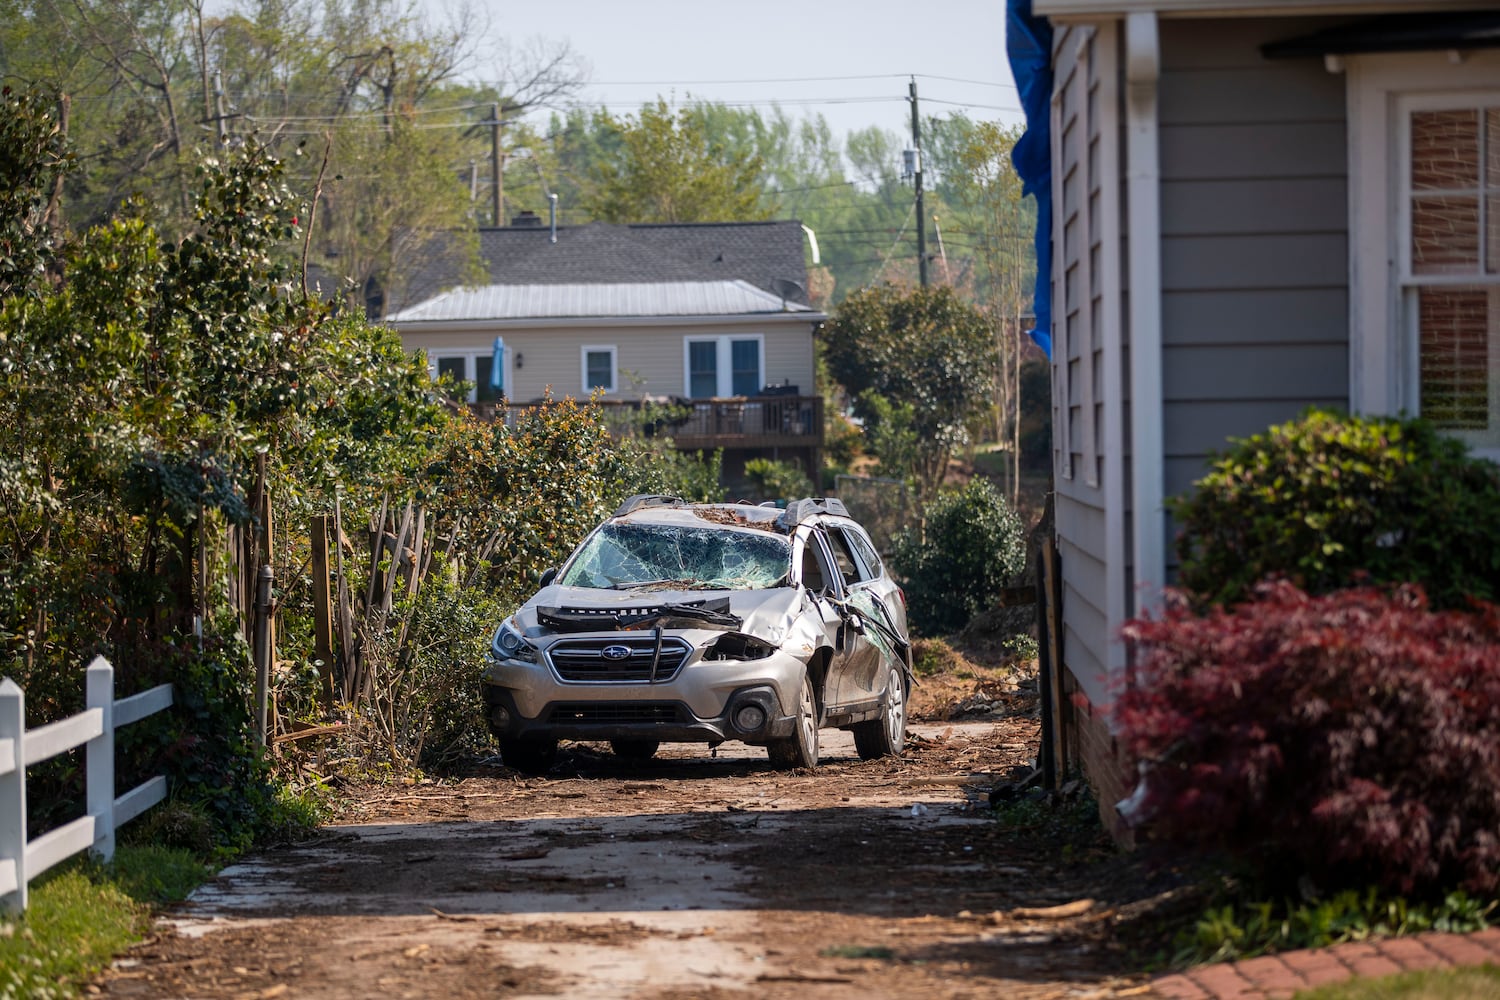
point(805, 54)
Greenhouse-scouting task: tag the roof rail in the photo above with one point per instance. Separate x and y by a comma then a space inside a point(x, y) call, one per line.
point(798, 511)
point(647, 500)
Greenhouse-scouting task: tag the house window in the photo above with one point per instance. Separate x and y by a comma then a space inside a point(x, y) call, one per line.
point(745, 371)
point(599, 369)
point(1450, 263)
point(1424, 228)
point(723, 366)
point(703, 369)
point(470, 366)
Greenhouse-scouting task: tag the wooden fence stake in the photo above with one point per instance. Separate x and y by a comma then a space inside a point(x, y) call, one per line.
point(263, 651)
point(322, 609)
point(1052, 561)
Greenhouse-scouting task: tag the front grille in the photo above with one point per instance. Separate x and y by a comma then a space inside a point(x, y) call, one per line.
point(605, 713)
point(587, 660)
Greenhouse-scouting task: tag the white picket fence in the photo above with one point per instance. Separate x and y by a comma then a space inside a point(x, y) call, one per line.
point(22, 860)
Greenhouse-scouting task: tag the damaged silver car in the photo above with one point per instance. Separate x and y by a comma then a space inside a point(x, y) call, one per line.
point(685, 622)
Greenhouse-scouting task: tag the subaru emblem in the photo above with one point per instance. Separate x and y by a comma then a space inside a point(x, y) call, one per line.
point(616, 652)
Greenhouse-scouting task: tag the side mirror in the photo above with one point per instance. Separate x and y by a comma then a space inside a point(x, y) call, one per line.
point(548, 575)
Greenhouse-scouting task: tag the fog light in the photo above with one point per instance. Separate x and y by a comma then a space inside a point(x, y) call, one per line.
point(499, 717)
point(749, 718)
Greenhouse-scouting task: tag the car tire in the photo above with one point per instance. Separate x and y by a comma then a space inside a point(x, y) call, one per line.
point(634, 750)
point(529, 755)
point(885, 736)
point(801, 748)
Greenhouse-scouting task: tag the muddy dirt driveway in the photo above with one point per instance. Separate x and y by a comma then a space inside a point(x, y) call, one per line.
point(691, 876)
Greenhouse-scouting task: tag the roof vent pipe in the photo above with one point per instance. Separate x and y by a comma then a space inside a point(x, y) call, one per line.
point(552, 214)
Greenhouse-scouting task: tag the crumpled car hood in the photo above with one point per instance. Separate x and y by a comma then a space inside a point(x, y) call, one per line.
point(766, 614)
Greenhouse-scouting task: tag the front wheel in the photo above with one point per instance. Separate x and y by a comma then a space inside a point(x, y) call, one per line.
point(885, 736)
point(801, 748)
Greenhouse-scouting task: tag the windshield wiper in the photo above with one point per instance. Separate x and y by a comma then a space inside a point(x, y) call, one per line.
point(684, 583)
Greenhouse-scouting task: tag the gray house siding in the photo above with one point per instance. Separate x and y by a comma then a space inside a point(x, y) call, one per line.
point(1086, 177)
point(1255, 272)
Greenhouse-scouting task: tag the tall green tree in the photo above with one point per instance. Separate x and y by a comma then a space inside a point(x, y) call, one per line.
point(928, 356)
point(668, 170)
point(371, 91)
point(36, 160)
point(1000, 226)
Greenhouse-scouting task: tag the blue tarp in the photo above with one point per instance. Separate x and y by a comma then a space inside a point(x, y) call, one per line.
point(497, 367)
point(1028, 45)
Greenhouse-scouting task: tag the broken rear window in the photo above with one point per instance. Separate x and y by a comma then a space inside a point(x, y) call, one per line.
point(676, 557)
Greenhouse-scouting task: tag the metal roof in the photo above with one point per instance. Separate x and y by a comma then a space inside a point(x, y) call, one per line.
point(603, 253)
point(594, 301)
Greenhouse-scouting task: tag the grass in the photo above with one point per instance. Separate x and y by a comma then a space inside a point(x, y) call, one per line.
point(82, 913)
point(1476, 983)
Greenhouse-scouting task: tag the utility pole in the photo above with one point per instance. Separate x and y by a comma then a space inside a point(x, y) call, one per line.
point(497, 193)
point(916, 140)
point(219, 105)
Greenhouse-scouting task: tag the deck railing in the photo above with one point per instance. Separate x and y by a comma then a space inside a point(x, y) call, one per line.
point(737, 422)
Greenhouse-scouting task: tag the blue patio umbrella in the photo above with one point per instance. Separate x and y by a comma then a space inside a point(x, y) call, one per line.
point(497, 366)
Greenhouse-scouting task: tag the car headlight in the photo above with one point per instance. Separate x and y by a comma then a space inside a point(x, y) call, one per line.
point(510, 644)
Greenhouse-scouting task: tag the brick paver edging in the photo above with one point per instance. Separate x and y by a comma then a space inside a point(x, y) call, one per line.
point(1276, 977)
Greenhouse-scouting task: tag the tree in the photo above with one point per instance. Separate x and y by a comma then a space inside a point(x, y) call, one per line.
point(31, 171)
point(370, 88)
point(921, 348)
point(667, 170)
point(984, 181)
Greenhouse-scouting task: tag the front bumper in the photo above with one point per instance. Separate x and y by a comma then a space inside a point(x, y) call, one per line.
point(704, 702)
point(661, 721)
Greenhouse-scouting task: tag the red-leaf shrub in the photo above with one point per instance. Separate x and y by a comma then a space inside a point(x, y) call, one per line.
point(1354, 737)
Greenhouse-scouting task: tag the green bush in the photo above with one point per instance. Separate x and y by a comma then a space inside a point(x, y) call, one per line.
point(972, 546)
point(1329, 499)
point(777, 480)
point(1244, 926)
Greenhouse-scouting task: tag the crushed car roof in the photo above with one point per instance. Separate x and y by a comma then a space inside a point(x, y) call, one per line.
point(661, 509)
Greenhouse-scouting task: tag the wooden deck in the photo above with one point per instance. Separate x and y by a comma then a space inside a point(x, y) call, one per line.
point(761, 423)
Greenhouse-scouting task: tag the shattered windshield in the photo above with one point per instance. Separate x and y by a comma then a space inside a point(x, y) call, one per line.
point(679, 557)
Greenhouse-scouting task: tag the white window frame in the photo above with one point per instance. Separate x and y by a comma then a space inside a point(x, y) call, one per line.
point(723, 360)
point(470, 356)
point(614, 367)
point(1383, 90)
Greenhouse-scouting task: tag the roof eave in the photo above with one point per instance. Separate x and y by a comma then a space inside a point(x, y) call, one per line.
point(608, 322)
point(1093, 10)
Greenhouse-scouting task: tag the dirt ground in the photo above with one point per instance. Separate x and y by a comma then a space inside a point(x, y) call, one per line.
point(695, 875)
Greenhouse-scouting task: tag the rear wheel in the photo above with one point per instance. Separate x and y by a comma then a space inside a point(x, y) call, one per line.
point(801, 748)
point(635, 750)
point(533, 755)
point(885, 736)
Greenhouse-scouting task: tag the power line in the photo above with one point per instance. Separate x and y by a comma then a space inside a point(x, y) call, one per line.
point(744, 103)
point(801, 79)
point(356, 115)
point(959, 79)
point(814, 187)
point(965, 104)
point(778, 79)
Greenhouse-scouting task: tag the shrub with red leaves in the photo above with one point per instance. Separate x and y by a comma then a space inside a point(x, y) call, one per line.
point(1354, 737)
